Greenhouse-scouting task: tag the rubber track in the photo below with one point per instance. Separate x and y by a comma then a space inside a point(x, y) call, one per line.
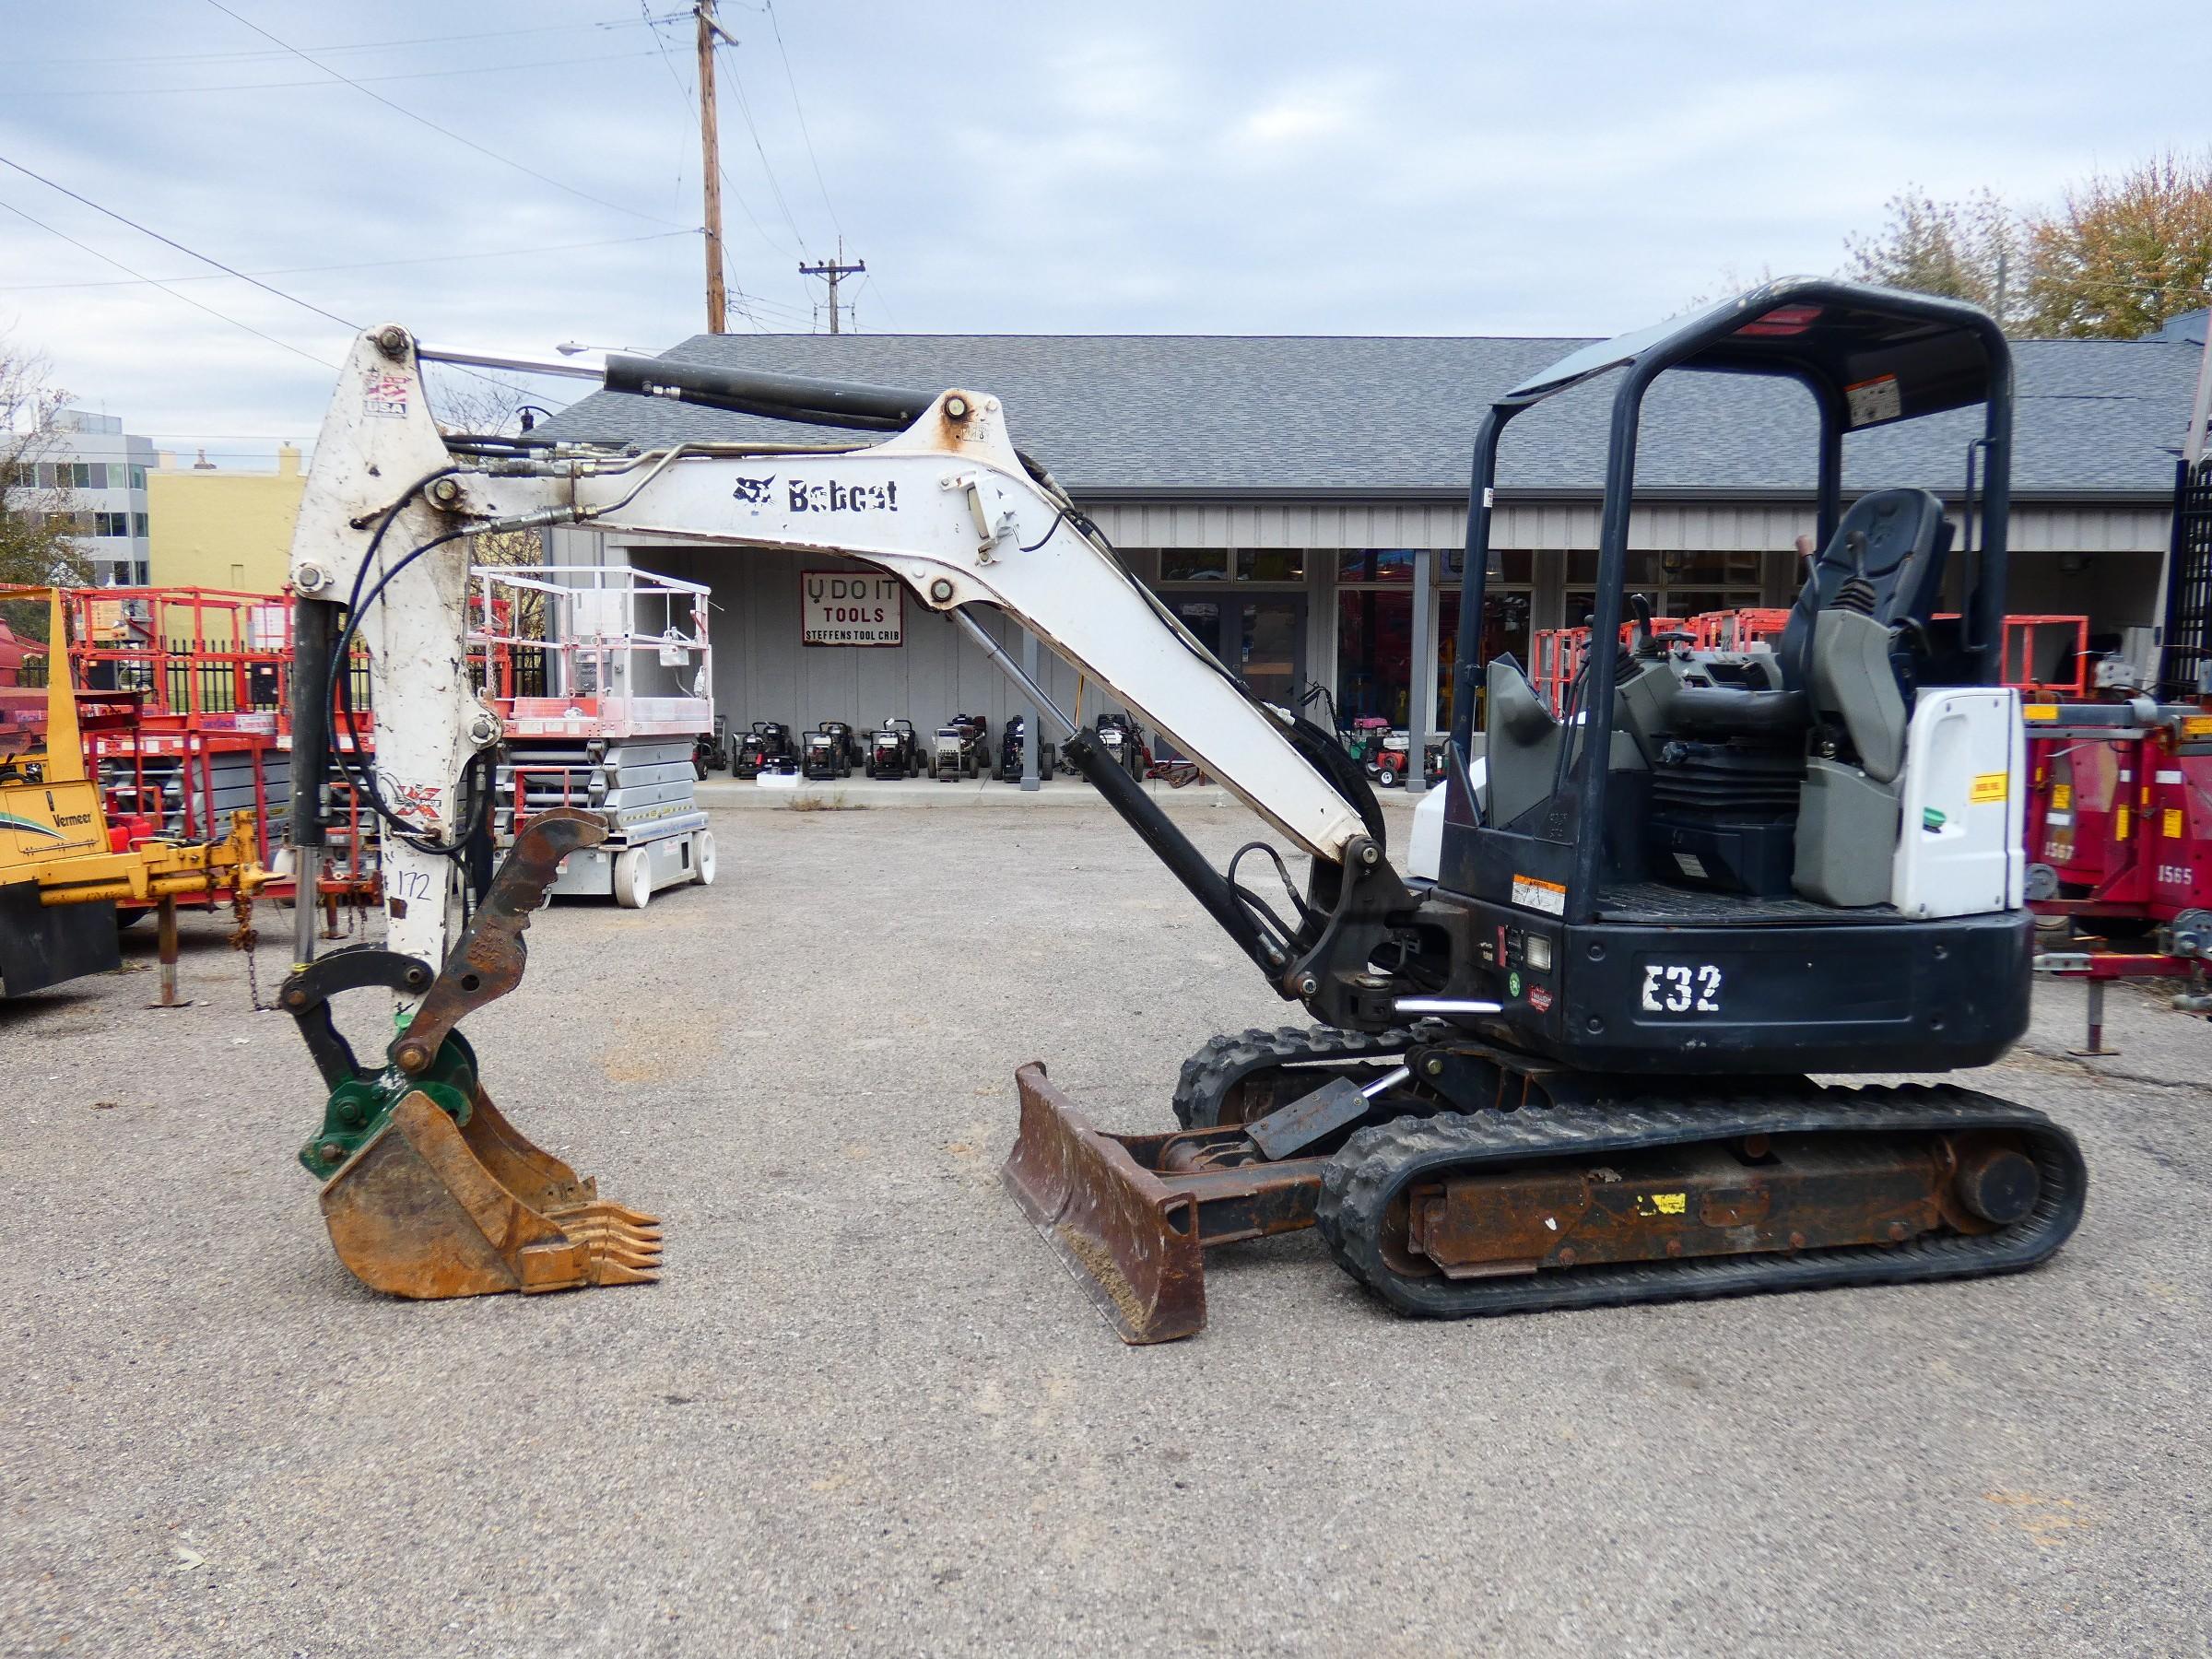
point(1377, 1162)
point(1227, 1061)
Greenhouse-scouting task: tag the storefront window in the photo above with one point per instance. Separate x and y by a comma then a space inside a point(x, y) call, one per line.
point(1271, 564)
point(1194, 564)
point(1374, 647)
point(1679, 586)
point(1375, 564)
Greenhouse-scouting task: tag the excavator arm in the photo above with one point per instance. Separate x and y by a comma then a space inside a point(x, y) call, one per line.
point(946, 504)
point(428, 1191)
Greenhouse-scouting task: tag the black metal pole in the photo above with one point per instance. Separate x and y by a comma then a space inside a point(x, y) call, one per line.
point(1207, 885)
point(1467, 665)
point(314, 637)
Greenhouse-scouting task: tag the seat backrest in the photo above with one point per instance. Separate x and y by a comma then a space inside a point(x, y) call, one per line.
point(1895, 539)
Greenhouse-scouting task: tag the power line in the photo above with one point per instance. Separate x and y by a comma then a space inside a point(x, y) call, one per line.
point(868, 286)
point(371, 264)
point(189, 57)
point(745, 108)
point(180, 247)
point(284, 85)
point(205, 259)
point(691, 107)
point(188, 300)
point(799, 110)
point(425, 121)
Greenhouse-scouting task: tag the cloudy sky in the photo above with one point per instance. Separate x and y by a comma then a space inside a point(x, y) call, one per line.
point(1249, 167)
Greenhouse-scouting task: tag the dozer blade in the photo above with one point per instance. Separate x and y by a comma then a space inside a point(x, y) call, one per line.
point(1132, 1216)
point(1127, 1239)
point(429, 1209)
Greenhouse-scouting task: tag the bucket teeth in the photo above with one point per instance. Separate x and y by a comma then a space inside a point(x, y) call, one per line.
point(624, 1245)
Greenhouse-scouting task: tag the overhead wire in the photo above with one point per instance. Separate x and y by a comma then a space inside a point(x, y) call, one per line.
point(183, 57)
point(434, 126)
point(744, 303)
point(284, 85)
point(691, 107)
point(172, 241)
point(799, 110)
point(224, 316)
point(745, 108)
point(366, 264)
point(350, 326)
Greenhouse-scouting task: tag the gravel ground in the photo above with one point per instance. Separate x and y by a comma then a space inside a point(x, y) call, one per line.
point(867, 1412)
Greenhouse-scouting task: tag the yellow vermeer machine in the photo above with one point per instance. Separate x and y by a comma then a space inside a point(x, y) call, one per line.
point(61, 875)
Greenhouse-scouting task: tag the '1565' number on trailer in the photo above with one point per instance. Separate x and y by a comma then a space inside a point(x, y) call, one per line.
point(1681, 988)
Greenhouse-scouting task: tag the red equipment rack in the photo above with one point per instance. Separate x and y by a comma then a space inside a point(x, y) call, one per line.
point(197, 688)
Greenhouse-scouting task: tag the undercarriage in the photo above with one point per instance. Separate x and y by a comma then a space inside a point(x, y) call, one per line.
point(1456, 1179)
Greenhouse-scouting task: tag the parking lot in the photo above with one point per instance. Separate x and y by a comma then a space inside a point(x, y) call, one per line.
point(865, 1410)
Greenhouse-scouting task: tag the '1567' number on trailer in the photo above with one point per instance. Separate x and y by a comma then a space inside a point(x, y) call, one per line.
point(1681, 988)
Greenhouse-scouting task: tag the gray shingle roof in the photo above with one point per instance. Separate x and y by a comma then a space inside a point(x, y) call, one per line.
point(1194, 414)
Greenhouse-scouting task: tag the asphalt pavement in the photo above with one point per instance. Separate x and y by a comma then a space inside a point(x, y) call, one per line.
point(867, 1412)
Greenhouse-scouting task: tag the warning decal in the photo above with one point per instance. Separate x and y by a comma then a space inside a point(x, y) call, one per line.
point(1530, 893)
point(1988, 786)
point(1874, 401)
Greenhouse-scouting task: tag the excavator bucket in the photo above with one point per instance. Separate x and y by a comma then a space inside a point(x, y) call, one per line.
point(429, 1209)
point(428, 1190)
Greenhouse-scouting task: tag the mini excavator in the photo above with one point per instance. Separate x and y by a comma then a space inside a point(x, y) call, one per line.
point(1565, 1059)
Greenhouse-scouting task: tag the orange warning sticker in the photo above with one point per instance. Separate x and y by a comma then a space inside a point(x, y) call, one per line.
point(1530, 893)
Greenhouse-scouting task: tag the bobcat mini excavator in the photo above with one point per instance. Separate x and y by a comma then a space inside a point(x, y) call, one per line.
point(1562, 1060)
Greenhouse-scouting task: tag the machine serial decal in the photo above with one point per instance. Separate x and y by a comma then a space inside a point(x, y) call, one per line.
point(1681, 988)
point(833, 497)
point(1550, 897)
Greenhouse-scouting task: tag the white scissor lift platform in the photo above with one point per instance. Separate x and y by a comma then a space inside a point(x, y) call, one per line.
point(602, 677)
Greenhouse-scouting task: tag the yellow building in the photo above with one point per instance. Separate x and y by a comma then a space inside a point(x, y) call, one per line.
point(217, 529)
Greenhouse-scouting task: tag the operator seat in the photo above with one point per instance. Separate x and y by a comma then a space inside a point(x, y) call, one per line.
point(1890, 550)
point(1907, 540)
point(1838, 644)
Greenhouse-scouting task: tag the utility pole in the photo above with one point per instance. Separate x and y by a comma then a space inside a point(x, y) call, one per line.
point(710, 151)
point(833, 269)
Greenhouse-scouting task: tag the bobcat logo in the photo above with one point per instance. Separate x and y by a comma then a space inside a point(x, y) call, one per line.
point(753, 492)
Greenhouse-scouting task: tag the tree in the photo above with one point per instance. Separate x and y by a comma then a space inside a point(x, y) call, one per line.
point(1971, 250)
point(2124, 252)
point(35, 518)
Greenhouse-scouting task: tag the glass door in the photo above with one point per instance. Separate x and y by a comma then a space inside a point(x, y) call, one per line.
point(1260, 638)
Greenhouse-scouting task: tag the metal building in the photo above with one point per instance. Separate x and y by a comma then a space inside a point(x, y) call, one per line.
point(1301, 501)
